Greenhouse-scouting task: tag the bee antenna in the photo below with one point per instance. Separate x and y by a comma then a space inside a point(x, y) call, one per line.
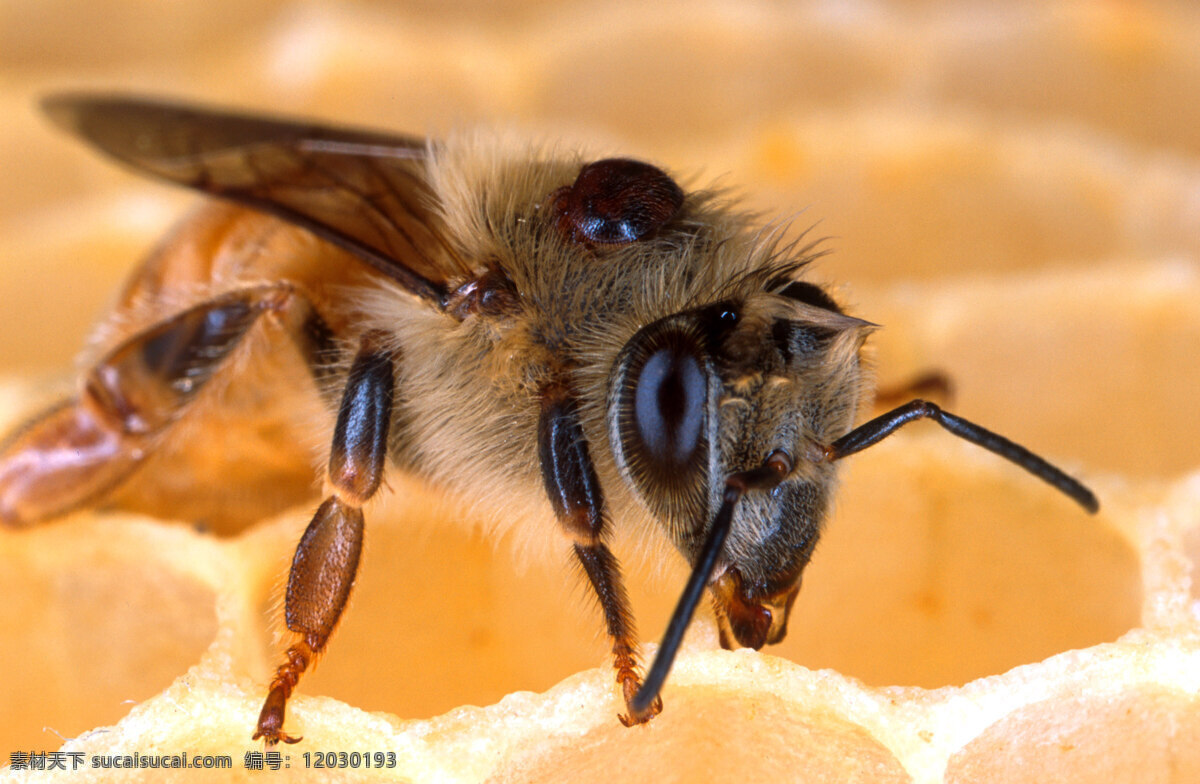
point(882, 426)
point(770, 473)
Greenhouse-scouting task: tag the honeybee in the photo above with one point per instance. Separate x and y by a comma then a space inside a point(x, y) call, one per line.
point(581, 339)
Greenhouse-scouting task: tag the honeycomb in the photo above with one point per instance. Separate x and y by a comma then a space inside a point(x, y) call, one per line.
point(1013, 191)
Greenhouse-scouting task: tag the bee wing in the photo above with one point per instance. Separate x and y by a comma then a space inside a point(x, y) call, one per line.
point(361, 190)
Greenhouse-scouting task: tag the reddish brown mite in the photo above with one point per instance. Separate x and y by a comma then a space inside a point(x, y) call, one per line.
point(616, 201)
point(585, 340)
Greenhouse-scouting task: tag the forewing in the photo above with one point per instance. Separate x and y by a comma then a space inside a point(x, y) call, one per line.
point(362, 190)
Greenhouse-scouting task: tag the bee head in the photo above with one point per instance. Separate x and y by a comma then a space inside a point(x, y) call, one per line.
point(711, 393)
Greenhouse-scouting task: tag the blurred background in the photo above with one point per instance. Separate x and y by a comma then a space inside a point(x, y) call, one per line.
point(1011, 188)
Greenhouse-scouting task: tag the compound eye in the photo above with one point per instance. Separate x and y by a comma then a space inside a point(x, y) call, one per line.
point(661, 417)
point(669, 407)
point(810, 294)
point(617, 201)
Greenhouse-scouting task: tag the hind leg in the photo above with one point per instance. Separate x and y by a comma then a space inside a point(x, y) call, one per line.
point(77, 452)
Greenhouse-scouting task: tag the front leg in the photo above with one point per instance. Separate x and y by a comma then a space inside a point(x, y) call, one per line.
point(575, 494)
point(326, 559)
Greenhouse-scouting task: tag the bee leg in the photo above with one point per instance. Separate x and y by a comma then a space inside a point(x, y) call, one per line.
point(575, 494)
point(326, 559)
point(318, 345)
point(77, 452)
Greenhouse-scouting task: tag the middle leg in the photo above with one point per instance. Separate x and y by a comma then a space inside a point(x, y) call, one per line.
point(326, 559)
